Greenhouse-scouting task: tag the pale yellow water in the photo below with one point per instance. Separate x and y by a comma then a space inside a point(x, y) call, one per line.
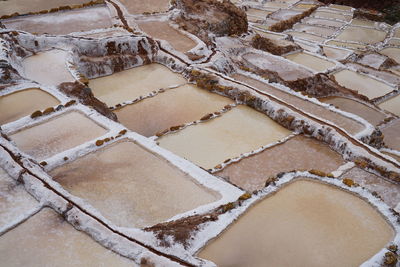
point(325, 22)
point(171, 108)
point(314, 29)
point(392, 52)
point(392, 105)
point(14, 200)
point(331, 15)
point(46, 239)
point(361, 83)
point(304, 6)
point(23, 103)
point(347, 45)
point(359, 34)
point(132, 187)
point(270, 35)
point(162, 30)
point(258, 12)
point(335, 53)
point(312, 62)
point(57, 135)
point(352, 106)
point(238, 131)
point(299, 153)
point(341, 7)
point(363, 22)
point(37, 67)
point(305, 224)
point(130, 84)
point(307, 36)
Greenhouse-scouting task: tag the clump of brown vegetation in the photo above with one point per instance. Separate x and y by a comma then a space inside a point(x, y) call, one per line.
point(202, 17)
point(276, 47)
point(288, 24)
point(349, 182)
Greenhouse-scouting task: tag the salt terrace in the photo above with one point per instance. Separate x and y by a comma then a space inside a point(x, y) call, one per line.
point(198, 133)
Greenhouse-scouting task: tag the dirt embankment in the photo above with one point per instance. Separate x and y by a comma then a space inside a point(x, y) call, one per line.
point(202, 17)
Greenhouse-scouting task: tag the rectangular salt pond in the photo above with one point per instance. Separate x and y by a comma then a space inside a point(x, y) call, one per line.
point(132, 187)
point(129, 84)
point(25, 6)
point(59, 24)
point(310, 61)
point(171, 108)
point(162, 30)
point(149, 6)
point(331, 15)
point(324, 22)
point(286, 69)
point(361, 34)
point(298, 153)
point(392, 105)
point(305, 223)
point(270, 35)
point(22, 103)
point(392, 52)
point(391, 135)
point(352, 46)
point(240, 130)
point(46, 239)
point(323, 31)
point(14, 200)
point(37, 67)
point(258, 12)
point(369, 114)
point(307, 36)
point(57, 134)
point(335, 53)
point(365, 85)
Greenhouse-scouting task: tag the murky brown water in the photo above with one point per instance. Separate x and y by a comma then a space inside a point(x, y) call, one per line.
point(359, 34)
point(304, 224)
point(312, 62)
point(14, 200)
point(348, 124)
point(162, 30)
point(23, 103)
point(352, 106)
point(390, 192)
point(392, 52)
point(57, 135)
point(335, 53)
point(10, 6)
point(150, 6)
point(130, 84)
point(67, 22)
point(392, 136)
point(132, 187)
point(238, 131)
point(362, 83)
point(171, 108)
point(298, 153)
point(37, 67)
point(392, 105)
point(287, 70)
point(46, 239)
